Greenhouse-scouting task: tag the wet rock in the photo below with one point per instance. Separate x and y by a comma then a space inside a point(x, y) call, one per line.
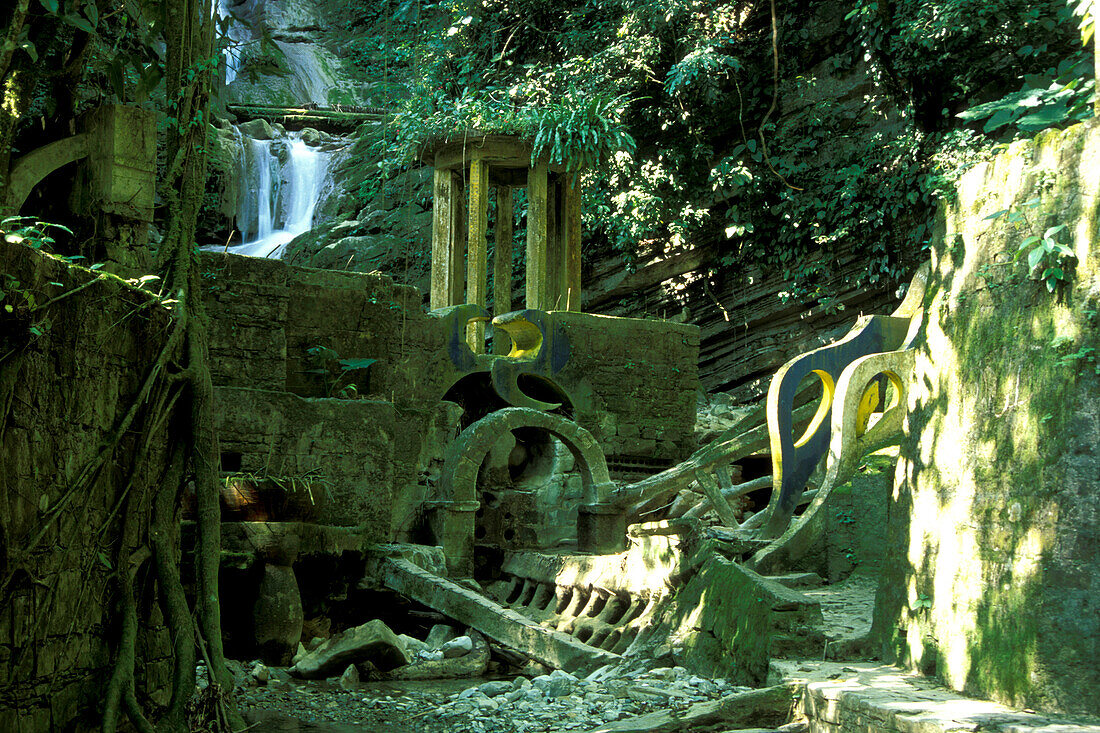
point(311, 137)
point(298, 655)
point(555, 684)
point(258, 129)
point(412, 645)
point(349, 680)
point(373, 642)
point(457, 647)
point(495, 688)
point(439, 634)
point(260, 673)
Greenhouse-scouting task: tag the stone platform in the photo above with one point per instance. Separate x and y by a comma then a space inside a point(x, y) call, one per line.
point(858, 697)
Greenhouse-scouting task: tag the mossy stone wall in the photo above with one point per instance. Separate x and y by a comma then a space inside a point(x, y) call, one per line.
point(991, 574)
point(64, 387)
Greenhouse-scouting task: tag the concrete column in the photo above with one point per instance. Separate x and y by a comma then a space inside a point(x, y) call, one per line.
point(502, 266)
point(555, 246)
point(572, 189)
point(537, 237)
point(477, 276)
point(457, 271)
point(441, 239)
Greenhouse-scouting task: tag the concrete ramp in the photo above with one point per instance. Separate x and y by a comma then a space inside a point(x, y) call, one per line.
point(509, 628)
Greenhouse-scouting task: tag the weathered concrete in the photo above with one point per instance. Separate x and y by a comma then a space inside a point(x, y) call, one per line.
point(552, 648)
point(371, 642)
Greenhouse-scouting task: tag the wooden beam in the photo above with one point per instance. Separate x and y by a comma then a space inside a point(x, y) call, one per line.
point(477, 275)
point(502, 266)
point(536, 237)
point(572, 216)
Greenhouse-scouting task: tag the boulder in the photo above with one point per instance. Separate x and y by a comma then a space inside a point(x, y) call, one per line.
point(457, 647)
point(258, 129)
point(349, 680)
point(439, 634)
point(372, 642)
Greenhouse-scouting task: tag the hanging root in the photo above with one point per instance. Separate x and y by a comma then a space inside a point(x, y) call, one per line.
point(120, 689)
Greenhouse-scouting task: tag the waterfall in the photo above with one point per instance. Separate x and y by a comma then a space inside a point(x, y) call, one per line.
point(235, 35)
point(282, 180)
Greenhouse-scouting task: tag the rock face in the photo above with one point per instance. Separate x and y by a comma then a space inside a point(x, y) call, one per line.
point(373, 642)
point(287, 58)
point(991, 577)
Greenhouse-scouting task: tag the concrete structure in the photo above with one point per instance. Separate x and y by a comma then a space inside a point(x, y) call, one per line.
point(465, 169)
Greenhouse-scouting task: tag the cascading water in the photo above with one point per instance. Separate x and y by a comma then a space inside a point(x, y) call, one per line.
point(235, 36)
point(282, 181)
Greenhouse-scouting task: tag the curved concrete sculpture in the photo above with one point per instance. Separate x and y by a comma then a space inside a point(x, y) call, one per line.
point(539, 347)
point(794, 459)
point(600, 527)
point(851, 439)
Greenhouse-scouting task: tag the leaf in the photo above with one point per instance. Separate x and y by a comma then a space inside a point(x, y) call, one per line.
point(999, 119)
point(995, 215)
point(349, 364)
point(49, 5)
point(1032, 240)
point(114, 73)
point(78, 22)
point(30, 49)
point(97, 265)
point(1034, 257)
point(1052, 231)
point(1045, 117)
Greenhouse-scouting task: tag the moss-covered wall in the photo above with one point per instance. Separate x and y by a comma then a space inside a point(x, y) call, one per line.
point(276, 327)
point(991, 576)
point(69, 371)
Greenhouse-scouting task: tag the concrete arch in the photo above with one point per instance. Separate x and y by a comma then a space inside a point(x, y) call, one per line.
point(464, 456)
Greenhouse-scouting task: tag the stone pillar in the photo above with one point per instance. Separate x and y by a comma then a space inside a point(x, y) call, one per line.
point(555, 246)
point(441, 239)
point(448, 241)
point(502, 266)
point(452, 526)
point(477, 276)
point(572, 223)
point(537, 237)
point(601, 528)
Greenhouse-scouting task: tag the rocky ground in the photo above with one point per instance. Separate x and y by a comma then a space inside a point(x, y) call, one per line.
point(555, 702)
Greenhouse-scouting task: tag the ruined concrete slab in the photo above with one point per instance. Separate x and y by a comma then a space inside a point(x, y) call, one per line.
point(507, 627)
point(865, 696)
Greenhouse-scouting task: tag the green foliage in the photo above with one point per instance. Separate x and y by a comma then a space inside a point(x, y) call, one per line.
point(1045, 254)
point(31, 232)
point(667, 106)
point(333, 370)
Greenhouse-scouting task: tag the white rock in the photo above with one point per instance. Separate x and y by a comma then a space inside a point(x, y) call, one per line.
point(260, 673)
point(457, 647)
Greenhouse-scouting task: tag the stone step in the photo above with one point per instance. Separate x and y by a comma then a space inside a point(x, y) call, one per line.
point(504, 625)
